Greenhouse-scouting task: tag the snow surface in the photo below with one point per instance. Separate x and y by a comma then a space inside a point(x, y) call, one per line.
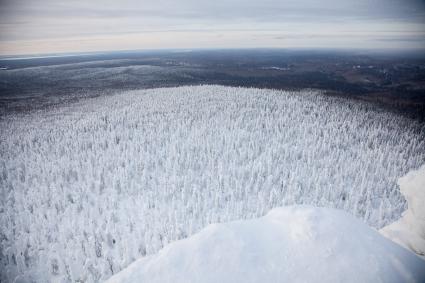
point(409, 231)
point(87, 188)
point(290, 244)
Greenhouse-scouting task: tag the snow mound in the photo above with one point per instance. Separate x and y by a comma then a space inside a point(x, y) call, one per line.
point(290, 244)
point(409, 231)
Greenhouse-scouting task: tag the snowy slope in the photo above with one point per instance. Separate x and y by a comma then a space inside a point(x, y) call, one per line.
point(409, 231)
point(290, 244)
point(86, 189)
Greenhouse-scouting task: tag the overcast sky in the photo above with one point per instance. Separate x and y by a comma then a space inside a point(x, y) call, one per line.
point(53, 26)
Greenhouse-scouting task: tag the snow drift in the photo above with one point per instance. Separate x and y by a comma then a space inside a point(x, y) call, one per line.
point(87, 188)
point(409, 231)
point(291, 244)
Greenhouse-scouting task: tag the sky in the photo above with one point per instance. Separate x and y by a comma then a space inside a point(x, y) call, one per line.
point(67, 26)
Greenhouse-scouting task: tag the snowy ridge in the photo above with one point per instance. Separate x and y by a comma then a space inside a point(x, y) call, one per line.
point(115, 178)
point(409, 231)
point(290, 244)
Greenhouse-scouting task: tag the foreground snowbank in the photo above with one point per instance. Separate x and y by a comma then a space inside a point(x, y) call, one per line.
point(291, 244)
point(409, 231)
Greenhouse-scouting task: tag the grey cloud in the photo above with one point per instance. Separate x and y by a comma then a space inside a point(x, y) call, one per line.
point(265, 10)
point(55, 19)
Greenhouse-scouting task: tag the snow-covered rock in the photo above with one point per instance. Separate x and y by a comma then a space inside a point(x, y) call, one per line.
point(409, 230)
point(290, 244)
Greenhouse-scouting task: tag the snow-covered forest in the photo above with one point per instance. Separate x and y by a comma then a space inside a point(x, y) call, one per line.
point(89, 187)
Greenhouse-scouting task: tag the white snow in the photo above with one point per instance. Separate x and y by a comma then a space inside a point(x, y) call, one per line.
point(290, 244)
point(409, 231)
point(87, 188)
